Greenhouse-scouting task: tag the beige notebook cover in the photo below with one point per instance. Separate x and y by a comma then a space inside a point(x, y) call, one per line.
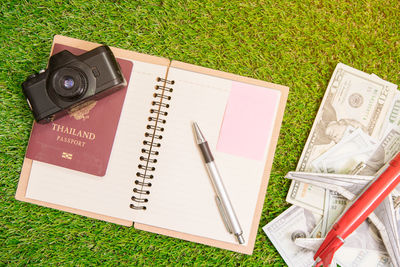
point(177, 68)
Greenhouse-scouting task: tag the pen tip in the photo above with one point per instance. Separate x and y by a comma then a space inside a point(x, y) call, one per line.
point(199, 136)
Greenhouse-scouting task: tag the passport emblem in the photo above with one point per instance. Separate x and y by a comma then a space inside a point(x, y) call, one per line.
point(66, 155)
point(81, 112)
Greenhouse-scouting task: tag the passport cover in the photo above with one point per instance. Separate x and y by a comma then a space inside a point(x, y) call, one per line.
point(81, 140)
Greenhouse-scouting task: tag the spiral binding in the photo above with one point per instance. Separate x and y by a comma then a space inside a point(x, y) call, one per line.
point(151, 143)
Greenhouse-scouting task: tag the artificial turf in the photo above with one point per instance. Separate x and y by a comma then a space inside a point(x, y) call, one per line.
point(295, 43)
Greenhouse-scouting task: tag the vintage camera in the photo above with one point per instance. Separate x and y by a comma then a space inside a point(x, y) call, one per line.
point(70, 81)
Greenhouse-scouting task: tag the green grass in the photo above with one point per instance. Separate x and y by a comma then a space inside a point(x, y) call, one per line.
point(296, 43)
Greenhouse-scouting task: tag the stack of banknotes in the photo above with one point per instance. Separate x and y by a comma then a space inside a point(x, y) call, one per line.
point(356, 131)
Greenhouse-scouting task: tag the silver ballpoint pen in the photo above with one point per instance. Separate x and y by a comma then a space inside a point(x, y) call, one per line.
point(223, 203)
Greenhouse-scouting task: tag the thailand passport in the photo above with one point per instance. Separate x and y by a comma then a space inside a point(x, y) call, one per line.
point(83, 139)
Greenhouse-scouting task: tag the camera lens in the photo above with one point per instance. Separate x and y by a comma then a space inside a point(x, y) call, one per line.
point(69, 83)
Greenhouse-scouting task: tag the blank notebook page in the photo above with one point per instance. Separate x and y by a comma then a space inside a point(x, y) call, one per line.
point(181, 196)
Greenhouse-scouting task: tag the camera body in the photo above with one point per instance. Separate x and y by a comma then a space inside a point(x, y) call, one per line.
point(70, 81)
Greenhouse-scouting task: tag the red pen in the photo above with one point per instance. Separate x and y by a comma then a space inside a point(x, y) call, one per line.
point(359, 211)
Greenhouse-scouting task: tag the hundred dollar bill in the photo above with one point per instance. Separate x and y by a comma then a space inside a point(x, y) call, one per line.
point(383, 217)
point(296, 223)
point(389, 144)
point(349, 256)
point(345, 155)
point(393, 116)
point(366, 236)
point(353, 98)
point(387, 148)
point(293, 223)
point(356, 257)
point(333, 207)
point(363, 248)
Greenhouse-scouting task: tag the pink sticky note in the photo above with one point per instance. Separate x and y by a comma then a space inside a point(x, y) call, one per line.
point(248, 121)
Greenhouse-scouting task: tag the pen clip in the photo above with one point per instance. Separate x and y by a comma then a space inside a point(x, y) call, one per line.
point(224, 215)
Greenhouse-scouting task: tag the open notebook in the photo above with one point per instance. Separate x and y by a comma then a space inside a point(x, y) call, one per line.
point(155, 175)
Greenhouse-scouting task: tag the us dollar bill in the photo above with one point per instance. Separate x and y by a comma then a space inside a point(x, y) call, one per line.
point(359, 257)
point(296, 223)
point(383, 217)
point(346, 155)
point(293, 223)
point(389, 144)
point(393, 116)
point(387, 148)
point(353, 99)
point(349, 256)
point(366, 236)
point(333, 207)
